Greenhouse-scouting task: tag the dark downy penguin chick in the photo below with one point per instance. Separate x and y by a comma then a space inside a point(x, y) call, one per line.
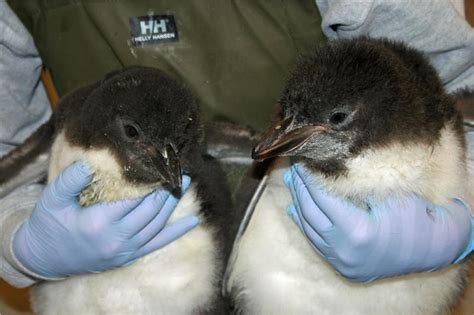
point(368, 118)
point(139, 130)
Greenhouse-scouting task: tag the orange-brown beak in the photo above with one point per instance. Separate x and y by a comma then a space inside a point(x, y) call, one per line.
point(168, 166)
point(281, 139)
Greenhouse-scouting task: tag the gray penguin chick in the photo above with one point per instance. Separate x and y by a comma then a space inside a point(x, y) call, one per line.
point(368, 118)
point(139, 130)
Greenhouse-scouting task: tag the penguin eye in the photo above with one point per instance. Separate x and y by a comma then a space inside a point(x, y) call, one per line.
point(131, 131)
point(337, 118)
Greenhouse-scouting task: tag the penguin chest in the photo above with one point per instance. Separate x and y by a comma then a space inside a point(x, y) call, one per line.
point(179, 278)
point(107, 184)
point(278, 272)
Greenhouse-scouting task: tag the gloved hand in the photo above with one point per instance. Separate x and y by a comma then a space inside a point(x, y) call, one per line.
point(394, 237)
point(62, 238)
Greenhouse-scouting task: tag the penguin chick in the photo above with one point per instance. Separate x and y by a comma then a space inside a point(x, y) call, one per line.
point(368, 118)
point(136, 118)
point(139, 130)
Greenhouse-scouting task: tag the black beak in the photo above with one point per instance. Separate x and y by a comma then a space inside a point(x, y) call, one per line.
point(281, 139)
point(169, 167)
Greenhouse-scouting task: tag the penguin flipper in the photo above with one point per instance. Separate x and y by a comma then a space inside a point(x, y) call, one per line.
point(13, 162)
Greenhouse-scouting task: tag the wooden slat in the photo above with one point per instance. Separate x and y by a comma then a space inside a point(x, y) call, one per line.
point(50, 88)
point(469, 8)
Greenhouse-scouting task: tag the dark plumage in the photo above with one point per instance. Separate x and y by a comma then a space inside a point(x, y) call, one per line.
point(138, 129)
point(136, 111)
point(367, 93)
point(370, 119)
point(145, 102)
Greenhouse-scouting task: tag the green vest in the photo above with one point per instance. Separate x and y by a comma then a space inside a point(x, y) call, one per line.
point(234, 55)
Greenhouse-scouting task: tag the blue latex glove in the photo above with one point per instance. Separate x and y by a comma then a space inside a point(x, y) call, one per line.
point(62, 238)
point(393, 238)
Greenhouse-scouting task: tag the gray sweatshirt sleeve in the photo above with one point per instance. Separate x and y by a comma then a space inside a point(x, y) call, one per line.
point(23, 108)
point(433, 26)
point(15, 208)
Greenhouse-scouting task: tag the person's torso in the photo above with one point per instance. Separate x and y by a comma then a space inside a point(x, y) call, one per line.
point(235, 55)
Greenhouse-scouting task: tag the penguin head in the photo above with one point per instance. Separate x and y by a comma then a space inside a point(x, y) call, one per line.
point(146, 120)
point(350, 95)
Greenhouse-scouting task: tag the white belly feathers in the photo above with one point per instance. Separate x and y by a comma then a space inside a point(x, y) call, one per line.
point(278, 272)
point(176, 279)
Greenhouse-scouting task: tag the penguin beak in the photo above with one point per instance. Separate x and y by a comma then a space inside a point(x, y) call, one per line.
point(282, 139)
point(169, 168)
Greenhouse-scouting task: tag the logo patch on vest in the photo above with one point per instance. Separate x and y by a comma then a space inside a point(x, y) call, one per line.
point(153, 29)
